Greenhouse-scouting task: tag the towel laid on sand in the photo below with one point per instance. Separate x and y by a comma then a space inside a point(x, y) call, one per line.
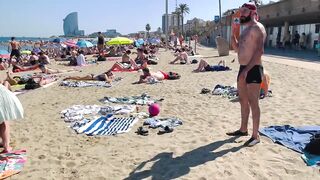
point(85, 84)
point(12, 163)
point(80, 112)
point(295, 139)
point(144, 99)
point(108, 125)
point(156, 122)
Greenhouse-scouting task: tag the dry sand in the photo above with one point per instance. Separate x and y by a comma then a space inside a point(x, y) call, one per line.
point(199, 149)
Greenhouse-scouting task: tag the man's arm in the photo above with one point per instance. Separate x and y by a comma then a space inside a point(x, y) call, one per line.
point(235, 43)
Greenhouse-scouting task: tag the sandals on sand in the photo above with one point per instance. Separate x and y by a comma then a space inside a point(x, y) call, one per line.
point(251, 142)
point(237, 133)
point(141, 131)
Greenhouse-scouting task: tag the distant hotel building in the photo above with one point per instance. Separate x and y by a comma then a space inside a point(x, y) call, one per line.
point(70, 25)
point(173, 22)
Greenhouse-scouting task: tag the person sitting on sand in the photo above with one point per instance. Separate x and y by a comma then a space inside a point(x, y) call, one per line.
point(17, 68)
point(204, 66)
point(141, 58)
point(106, 76)
point(81, 59)
point(159, 76)
point(3, 65)
point(43, 58)
point(33, 58)
point(125, 64)
point(111, 52)
point(182, 57)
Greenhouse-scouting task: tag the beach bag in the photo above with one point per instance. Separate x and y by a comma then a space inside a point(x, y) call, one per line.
point(151, 62)
point(31, 84)
point(73, 61)
point(194, 61)
point(101, 58)
point(173, 76)
point(313, 147)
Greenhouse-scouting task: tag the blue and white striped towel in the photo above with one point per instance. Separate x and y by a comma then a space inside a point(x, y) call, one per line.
point(106, 126)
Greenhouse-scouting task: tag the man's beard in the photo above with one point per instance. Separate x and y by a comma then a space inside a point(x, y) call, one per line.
point(244, 19)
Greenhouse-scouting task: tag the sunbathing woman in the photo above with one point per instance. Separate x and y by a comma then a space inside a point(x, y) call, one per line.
point(126, 64)
point(147, 75)
point(47, 70)
point(204, 66)
point(17, 68)
point(106, 76)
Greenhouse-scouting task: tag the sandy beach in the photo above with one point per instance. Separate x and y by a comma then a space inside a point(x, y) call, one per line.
point(199, 149)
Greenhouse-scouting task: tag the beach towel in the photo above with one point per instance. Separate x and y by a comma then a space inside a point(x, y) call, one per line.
point(124, 70)
point(144, 99)
point(86, 84)
point(155, 122)
point(77, 113)
point(291, 137)
point(114, 58)
point(23, 91)
point(295, 139)
point(108, 125)
point(12, 163)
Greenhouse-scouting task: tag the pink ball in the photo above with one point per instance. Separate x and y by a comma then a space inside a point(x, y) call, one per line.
point(154, 109)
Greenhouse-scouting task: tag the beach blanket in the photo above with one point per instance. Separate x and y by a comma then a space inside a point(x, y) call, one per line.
point(12, 163)
point(86, 84)
point(124, 70)
point(108, 125)
point(114, 58)
point(232, 92)
point(90, 112)
point(295, 139)
point(156, 122)
point(144, 99)
point(23, 91)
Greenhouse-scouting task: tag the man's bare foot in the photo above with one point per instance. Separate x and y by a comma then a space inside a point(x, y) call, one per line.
point(6, 150)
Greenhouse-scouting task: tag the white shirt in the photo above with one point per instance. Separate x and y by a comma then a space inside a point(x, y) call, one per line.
point(81, 61)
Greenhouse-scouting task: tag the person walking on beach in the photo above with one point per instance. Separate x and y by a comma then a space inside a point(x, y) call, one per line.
point(100, 42)
point(250, 48)
point(15, 50)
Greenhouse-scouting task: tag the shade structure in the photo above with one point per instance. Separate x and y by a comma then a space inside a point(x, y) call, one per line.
point(58, 40)
point(119, 41)
point(84, 44)
point(139, 42)
point(70, 43)
point(154, 40)
point(4, 54)
point(25, 52)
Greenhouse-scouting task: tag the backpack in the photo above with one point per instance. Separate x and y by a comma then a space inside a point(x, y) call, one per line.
point(101, 58)
point(173, 76)
point(313, 147)
point(31, 84)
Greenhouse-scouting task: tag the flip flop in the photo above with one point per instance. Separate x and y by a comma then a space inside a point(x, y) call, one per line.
point(141, 131)
point(251, 142)
point(237, 133)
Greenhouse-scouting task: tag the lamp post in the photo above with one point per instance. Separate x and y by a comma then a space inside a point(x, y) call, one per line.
point(166, 24)
point(220, 25)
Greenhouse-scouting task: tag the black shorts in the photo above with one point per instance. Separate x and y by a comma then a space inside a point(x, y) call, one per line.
point(15, 52)
point(254, 75)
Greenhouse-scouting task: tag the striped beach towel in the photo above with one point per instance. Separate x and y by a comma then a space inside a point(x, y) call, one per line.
point(109, 125)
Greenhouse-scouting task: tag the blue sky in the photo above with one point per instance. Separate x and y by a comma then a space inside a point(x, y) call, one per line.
point(43, 18)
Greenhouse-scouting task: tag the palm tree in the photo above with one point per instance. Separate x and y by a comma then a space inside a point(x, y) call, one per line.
point(148, 28)
point(184, 9)
point(178, 13)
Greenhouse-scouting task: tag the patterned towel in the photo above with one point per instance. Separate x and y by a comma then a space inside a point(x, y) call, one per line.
point(109, 125)
point(85, 84)
point(12, 163)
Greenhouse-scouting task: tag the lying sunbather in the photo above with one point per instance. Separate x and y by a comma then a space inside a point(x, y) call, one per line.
point(159, 76)
point(47, 70)
point(17, 68)
point(107, 76)
point(204, 66)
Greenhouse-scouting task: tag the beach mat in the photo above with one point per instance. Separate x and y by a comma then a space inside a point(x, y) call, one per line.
point(295, 138)
point(12, 163)
point(109, 125)
point(85, 84)
point(23, 91)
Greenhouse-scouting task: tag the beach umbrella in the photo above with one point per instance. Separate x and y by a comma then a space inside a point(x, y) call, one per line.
point(84, 44)
point(154, 40)
point(139, 42)
point(70, 43)
point(25, 52)
point(10, 106)
point(58, 40)
point(119, 41)
point(4, 54)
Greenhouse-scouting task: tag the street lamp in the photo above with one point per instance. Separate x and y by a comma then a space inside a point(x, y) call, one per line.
point(220, 18)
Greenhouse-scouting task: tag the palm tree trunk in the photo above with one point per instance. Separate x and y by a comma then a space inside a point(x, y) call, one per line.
point(182, 26)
